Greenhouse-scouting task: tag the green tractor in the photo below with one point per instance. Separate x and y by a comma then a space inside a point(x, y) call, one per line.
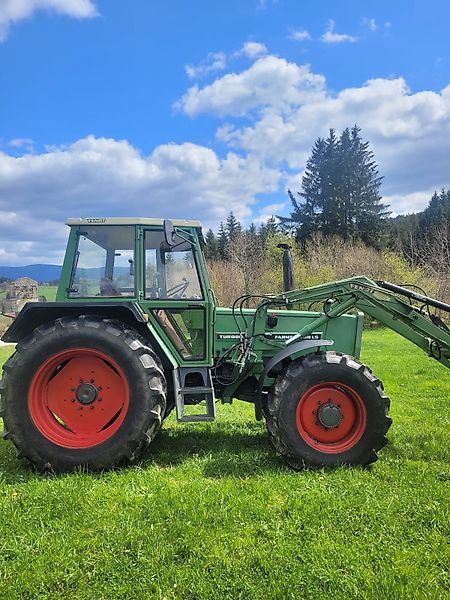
point(135, 332)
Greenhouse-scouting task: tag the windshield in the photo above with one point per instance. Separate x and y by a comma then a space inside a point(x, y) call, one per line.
point(104, 262)
point(170, 273)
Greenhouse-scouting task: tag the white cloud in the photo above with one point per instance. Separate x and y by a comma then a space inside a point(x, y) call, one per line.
point(215, 61)
point(252, 50)
point(409, 203)
point(106, 177)
point(286, 106)
point(263, 4)
point(300, 35)
point(331, 37)
point(269, 211)
point(409, 132)
point(12, 11)
point(270, 81)
point(370, 23)
point(26, 144)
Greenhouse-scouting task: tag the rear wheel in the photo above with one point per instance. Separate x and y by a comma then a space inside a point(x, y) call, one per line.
point(327, 409)
point(83, 392)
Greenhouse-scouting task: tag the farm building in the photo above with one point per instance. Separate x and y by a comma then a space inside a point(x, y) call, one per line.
point(18, 293)
point(24, 288)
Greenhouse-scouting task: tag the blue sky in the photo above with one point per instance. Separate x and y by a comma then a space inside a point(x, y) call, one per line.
point(193, 109)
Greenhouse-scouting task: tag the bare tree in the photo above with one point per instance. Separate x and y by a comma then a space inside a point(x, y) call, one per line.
point(247, 253)
point(434, 252)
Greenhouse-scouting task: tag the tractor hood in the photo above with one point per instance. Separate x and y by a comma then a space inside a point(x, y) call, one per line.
point(345, 331)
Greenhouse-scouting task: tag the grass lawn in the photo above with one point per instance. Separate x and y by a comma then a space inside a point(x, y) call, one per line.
point(211, 512)
point(49, 291)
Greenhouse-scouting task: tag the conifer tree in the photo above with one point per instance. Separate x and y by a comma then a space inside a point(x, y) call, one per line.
point(339, 192)
point(267, 229)
point(211, 246)
point(232, 227)
point(222, 240)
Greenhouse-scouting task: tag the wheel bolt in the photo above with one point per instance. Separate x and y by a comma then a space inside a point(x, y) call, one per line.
point(81, 381)
point(99, 388)
point(99, 399)
point(72, 399)
point(91, 407)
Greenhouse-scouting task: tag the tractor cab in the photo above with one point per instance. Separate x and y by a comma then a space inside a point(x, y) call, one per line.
point(158, 265)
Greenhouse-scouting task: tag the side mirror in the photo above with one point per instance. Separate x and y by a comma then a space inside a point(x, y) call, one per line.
point(173, 239)
point(169, 233)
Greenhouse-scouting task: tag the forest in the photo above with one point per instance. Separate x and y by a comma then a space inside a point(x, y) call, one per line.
point(338, 227)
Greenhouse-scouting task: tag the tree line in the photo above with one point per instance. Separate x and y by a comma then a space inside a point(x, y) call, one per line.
point(340, 196)
point(337, 212)
point(230, 233)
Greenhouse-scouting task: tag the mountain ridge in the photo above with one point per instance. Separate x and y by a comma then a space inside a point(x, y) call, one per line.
point(40, 272)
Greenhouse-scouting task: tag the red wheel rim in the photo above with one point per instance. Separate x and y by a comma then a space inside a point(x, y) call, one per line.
point(78, 398)
point(331, 417)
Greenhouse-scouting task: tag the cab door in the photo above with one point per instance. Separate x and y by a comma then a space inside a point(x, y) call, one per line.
point(176, 295)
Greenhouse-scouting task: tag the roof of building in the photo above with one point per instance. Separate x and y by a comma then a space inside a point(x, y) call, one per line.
point(24, 281)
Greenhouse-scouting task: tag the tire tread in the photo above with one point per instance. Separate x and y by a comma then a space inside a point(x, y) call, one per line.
point(140, 347)
point(295, 369)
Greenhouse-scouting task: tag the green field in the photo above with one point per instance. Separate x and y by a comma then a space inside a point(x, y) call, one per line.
point(49, 291)
point(211, 512)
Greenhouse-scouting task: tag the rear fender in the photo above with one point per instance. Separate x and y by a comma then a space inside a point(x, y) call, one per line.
point(34, 314)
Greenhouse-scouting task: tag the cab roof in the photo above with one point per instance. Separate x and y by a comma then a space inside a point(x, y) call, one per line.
point(129, 221)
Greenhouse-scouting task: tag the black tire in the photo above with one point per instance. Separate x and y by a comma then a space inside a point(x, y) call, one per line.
point(300, 438)
point(140, 372)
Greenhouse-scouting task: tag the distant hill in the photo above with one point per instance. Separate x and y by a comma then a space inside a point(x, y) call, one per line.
point(40, 273)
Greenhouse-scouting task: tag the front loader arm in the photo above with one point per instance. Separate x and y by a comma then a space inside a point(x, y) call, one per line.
point(379, 300)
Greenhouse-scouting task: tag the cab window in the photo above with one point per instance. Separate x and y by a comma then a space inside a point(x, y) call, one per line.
point(170, 273)
point(104, 262)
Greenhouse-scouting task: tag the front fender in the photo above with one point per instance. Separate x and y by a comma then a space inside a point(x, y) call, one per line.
point(291, 351)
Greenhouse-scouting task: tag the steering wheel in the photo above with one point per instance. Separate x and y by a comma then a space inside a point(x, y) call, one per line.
point(178, 290)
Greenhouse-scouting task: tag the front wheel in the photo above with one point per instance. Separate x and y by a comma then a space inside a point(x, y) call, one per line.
point(327, 409)
point(83, 392)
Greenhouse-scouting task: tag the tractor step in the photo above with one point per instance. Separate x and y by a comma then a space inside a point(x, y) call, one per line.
point(189, 393)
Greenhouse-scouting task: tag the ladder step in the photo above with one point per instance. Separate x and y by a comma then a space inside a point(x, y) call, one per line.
point(184, 392)
point(196, 390)
point(195, 419)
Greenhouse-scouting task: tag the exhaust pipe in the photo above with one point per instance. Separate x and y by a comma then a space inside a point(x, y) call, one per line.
point(288, 275)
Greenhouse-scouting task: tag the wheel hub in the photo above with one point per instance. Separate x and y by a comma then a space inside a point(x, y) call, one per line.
point(329, 415)
point(86, 393)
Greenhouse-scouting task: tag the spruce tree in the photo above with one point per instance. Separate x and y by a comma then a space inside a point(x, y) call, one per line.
point(222, 240)
point(366, 211)
point(232, 227)
point(211, 246)
point(340, 191)
point(304, 219)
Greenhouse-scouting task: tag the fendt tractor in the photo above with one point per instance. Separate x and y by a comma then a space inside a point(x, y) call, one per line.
point(135, 332)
